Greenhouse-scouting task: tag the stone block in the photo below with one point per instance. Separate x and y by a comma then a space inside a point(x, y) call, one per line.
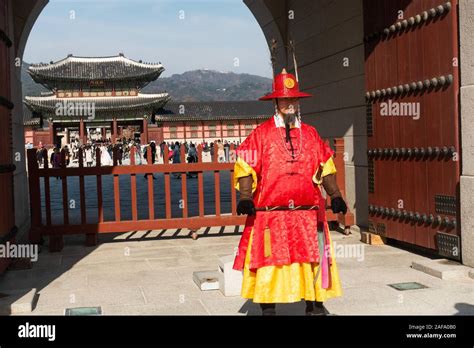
point(467, 129)
point(372, 239)
point(466, 27)
point(206, 280)
point(230, 280)
point(17, 301)
point(443, 269)
point(467, 220)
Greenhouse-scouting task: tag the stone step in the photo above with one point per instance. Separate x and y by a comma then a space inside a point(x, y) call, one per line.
point(17, 301)
point(372, 239)
point(443, 269)
point(230, 280)
point(206, 280)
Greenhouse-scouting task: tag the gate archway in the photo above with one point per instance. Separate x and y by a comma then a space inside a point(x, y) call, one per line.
point(329, 44)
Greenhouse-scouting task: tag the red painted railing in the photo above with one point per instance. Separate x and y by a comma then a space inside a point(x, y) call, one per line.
point(91, 230)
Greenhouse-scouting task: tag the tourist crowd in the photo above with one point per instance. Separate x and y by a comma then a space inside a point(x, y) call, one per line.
point(123, 149)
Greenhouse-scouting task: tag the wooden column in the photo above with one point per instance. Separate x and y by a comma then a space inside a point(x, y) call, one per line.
point(184, 127)
point(145, 131)
point(203, 135)
point(51, 132)
point(240, 136)
point(114, 129)
point(82, 131)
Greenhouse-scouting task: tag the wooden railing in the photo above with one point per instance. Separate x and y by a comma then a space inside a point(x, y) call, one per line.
point(91, 230)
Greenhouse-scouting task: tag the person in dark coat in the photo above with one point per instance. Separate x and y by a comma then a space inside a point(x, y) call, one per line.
point(119, 153)
point(192, 158)
point(40, 155)
point(176, 157)
point(55, 159)
point(152, 147)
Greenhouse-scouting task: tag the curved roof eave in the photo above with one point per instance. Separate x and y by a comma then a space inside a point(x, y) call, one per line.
point(122, 68)
point(49, 103)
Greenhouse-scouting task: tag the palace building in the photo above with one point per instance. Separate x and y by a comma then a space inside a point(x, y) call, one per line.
point(210, 121)
point(100, 98)
point(93, 95)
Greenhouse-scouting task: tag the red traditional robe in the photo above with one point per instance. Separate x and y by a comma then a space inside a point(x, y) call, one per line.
point(281, 180)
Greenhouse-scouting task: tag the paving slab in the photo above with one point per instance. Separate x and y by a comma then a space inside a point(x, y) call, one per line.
point(192, 307)
point(131, 273)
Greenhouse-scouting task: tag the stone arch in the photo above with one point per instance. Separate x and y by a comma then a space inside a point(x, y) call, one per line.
point(308, 28)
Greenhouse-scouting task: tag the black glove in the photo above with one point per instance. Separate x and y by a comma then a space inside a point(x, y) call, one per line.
point(246, 207)
point(338, 205)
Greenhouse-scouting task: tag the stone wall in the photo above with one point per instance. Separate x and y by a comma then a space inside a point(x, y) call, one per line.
point(466, 26)
point(22, 18)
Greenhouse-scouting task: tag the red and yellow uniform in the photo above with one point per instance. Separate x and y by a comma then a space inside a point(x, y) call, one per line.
point(279, 252)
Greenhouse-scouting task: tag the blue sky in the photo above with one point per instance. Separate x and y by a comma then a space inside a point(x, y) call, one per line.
point(214, 34)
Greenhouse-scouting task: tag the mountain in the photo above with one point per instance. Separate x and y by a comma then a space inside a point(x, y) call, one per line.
point(210, 85)
point(30, 87)
point(196, 85)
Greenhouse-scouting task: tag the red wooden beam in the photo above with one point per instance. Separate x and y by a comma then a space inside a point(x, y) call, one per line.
point(35, 197)
point(133, 186)
point(217, 181)
point(81, 188)
point(64, 189)
point(47, 194)
point(138, 169)
point(184, 189)
point(151, 204)
point(167, 184)
point(126, 225)
point(200, 184)
point(233, 194)
point(100, 208)
point(116, 188)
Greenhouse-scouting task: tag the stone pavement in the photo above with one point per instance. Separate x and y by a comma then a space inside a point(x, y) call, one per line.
point(142, 272)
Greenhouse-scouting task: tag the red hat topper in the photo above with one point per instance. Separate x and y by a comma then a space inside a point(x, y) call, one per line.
point(285, 86)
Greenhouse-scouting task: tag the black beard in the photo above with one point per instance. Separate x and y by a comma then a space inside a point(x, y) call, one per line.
point(289, 118)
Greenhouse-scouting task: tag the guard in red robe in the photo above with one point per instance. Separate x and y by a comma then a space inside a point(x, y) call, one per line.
point(285, 251)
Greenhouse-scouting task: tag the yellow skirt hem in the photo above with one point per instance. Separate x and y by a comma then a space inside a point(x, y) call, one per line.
point(288, 283)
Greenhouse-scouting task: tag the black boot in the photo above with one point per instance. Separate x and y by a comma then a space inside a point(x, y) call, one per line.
point(315, 308)
point(268, 309)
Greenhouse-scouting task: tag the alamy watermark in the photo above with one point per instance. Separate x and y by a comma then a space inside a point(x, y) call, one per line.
point(392, 108)
point(69, 108)
point(356, 251)
point(12, 251)
point(249, 156)
point(28, 330)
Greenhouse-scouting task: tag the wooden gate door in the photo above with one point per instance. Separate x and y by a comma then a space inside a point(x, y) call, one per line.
point(411, 66)
point(7, 216)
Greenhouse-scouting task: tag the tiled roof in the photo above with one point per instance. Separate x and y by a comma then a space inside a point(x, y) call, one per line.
point(221, 110)
point(74, 68)
point(108, 104)
point(28, 119)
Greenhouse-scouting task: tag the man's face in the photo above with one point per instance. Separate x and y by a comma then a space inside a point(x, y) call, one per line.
point(288, 105)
